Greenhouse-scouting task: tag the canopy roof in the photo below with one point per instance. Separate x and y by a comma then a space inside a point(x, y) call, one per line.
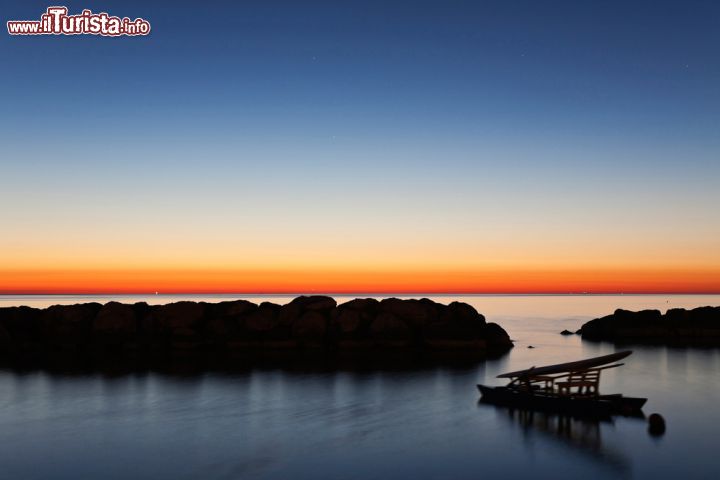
point(568, 367)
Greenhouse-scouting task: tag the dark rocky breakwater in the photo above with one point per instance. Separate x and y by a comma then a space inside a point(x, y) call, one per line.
point(226, 331)
point(700, 326)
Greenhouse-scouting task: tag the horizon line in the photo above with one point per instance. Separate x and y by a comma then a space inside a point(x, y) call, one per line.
point(346, 294)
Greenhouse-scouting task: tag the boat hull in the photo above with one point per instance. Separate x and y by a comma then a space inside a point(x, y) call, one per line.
point(601, 406)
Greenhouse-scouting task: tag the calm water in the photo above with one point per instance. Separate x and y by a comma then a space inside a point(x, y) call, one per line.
point(424, 424)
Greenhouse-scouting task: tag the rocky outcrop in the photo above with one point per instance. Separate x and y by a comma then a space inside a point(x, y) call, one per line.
point(677, 326)
point(306, 324)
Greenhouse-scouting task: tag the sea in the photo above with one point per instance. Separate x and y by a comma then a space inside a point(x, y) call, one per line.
point(374, 423)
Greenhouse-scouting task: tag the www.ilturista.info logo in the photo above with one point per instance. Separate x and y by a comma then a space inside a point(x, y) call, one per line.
point(56, 21)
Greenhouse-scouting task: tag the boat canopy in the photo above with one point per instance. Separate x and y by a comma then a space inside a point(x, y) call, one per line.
point(568, 367)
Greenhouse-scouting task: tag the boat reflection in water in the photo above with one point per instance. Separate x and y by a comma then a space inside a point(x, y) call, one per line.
point(581, 436)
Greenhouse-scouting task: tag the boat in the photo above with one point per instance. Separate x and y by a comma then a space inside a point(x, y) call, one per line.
point(567, 388)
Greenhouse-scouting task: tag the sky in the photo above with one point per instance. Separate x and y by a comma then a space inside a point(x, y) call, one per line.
point(362, 146)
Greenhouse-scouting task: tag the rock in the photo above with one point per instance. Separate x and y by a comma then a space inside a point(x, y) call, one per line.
point(677, 326)
point(415, 312)
point(288, 314)
point(310, 328)
point(349, 325)
point(566, 332)
point(232, 309)
point(465, 313)
point(227, 318)
point(23, 324)
point(456, 325)
point(656, 425)
point(292, 311)
point(240, 327)
point(179, 316)
point(6, 341)
point(497, 338)
point(315, 302)
point(348, 321)
point(114, 318)
point(264, 318)
point(354, 317)
point(388, 329)
point(362, 304)
point(68, 326)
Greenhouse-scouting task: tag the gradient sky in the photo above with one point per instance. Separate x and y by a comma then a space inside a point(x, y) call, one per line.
point(359, 146)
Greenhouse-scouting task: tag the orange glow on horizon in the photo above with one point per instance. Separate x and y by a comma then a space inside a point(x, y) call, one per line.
point(380, 281)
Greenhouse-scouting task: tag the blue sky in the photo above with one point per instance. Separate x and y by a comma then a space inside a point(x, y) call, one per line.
point(458, 75)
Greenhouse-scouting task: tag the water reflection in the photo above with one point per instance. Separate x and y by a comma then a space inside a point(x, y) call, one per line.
point(578, 436)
